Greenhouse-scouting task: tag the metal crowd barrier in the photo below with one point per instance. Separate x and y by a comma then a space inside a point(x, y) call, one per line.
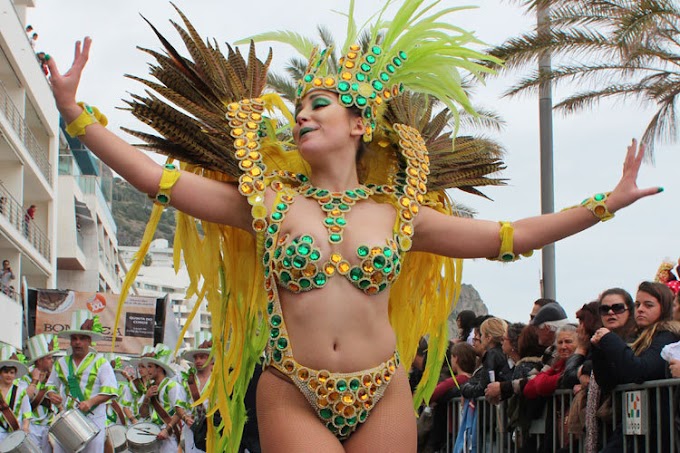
point(648, 415)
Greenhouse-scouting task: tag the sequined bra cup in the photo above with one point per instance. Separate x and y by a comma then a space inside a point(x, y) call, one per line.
point(297, 264)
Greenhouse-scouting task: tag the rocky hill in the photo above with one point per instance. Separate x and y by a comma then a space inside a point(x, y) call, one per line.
point(131, 210)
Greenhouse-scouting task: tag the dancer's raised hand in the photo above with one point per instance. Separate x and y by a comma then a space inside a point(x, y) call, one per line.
point(65, 86)
point(626, 191)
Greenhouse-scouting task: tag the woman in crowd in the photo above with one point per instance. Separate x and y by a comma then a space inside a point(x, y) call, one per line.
point(615, 362)
point(510, 345)
point(494, 362)
point(588, 322)
point(546, 382)
point(465, 322)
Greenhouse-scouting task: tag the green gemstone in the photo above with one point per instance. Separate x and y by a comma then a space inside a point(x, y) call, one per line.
point(599, 197)
point(277, 356)
point(384, 77)
point(356, 273)
point(335, 238)
point(376, 50)
point(382, 287)
point(343, 207)
point(362, 193)
point(277, 253)
point(402, 55)
point(351, 194)
point(162, 199)
point(336, 200)
point(360, 77)
point(266, 272)
point(387, 252)
point(276, 320)
point(361, 101)
point(315, 255)
point(299, 91)
point(299, 262)
point(341, 221)
point(302, 178)
point(272, 229)
point(354, 385)
point(290, 251)
point(387, 269)
point(305, 283)
point(286, 261)
point(362, 416)
point(390, 68)
point(272, 344)
point(282, 343)
point(311, 191)
point(275, 332)
point(343, 87)
point(508, 256)
point(320, 279)
point(398, 268)
point(329, 221)
point(401, 87)
point(285, 276)
point(270, 308)
point(325, 413)
point(346, 99)
point(341, 385)
point(365, 67)
point(304, 249)
point(351, 421)
point(265, 258)
point(309, 78)
point(377, 84)
point(322, 193)
point(370, 59)
point(355, 86)
point(363, 284)
point(329, 206)
point(339, 421)
point(345, 430)
point(379, 262)
point(362, 251)
point(269, 242)
point(397, 61)
point(307, 239)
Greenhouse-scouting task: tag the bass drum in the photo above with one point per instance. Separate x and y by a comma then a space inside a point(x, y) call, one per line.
point(18, 442)
point(141, 438)
point(116, 440)
point(73, 430)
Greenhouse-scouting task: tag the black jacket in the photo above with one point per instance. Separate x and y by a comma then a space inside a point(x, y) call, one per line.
point(493, 360)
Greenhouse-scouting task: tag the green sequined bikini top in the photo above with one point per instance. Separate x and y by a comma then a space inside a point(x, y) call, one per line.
point(297, 264)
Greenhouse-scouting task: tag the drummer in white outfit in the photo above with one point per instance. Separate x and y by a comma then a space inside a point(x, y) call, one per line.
point(41, 350)
point(93, 380)
point(13, 394)
point(199, 373)
point(169, 394)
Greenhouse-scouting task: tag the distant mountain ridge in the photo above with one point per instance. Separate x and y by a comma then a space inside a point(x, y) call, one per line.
point(131, 210)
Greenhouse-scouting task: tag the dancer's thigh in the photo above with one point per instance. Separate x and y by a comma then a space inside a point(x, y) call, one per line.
point(391, 425)
point(287, 422)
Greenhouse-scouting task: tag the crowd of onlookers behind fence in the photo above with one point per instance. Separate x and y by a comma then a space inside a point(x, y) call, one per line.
point(619, 339)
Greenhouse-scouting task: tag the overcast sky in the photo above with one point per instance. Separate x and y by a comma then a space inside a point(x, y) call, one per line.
point(589, 147)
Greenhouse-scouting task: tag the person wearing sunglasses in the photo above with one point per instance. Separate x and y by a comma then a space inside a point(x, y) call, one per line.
point(616, 363)
point(617, 311)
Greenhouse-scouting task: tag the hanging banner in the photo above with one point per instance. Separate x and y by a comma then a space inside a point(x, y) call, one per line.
point(135, 330)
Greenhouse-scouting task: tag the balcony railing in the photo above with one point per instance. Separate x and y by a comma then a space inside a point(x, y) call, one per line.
point(39, 155)
point(13, 211)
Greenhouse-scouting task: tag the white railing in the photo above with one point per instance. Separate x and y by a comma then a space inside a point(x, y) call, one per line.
point(15, 213)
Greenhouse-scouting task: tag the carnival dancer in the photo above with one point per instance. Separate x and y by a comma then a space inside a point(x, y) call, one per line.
point(164, 398)
point(321, 229)
point(194, 382)
point(41, 351)
point(15, 407)
point(84, 377)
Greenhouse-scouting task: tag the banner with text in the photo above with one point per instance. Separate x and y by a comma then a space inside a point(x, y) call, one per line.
point(135, 330)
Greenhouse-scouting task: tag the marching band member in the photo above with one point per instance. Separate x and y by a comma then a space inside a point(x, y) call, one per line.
point(140, 382)
point(119, 410)
point(15, 407)
point(194, 381)
point(164, 398)
point(86, 378)
point(41, 350)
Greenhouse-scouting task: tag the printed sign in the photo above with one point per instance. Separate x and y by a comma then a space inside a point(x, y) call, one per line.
point(135, 330)
point(635, 413)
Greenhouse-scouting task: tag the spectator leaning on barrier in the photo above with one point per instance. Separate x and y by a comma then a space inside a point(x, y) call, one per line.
point(615, 363)
point(494, 363)
point(547, 381)
point(588, 322)
point(6, 276)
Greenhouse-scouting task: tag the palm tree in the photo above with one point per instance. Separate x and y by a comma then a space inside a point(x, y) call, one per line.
point(621, 48)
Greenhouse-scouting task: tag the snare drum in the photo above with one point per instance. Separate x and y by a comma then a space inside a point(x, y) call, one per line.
point(18, 442)
point(73, 430)
point(141, 438)
point(115, 438)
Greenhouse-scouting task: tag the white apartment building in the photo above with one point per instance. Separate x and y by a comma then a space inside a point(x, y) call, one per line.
point(29, 149)
point(157, 278)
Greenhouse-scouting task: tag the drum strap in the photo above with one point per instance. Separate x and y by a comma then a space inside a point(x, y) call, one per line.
point(39, 397)
point(73, 383)
point(193, 388)
point(158, 407)
point(139, 385)
point(6, 409)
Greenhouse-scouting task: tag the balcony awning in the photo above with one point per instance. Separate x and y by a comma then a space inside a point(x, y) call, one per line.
point(83, 212)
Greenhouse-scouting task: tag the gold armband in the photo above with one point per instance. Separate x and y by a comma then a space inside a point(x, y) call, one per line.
point(596, 205)
point(90, 115)
point(506, 253)
point(170, 176)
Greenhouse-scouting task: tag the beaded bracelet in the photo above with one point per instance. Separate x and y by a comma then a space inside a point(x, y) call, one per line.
point(506, 253)
point(89, 115)
point(596, 205)
point(170, 176)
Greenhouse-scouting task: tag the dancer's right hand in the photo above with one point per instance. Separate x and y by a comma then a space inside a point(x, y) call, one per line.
point(65, 86)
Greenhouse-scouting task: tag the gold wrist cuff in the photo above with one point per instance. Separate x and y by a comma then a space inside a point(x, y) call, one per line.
point(89, 115)
point(596, 205)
